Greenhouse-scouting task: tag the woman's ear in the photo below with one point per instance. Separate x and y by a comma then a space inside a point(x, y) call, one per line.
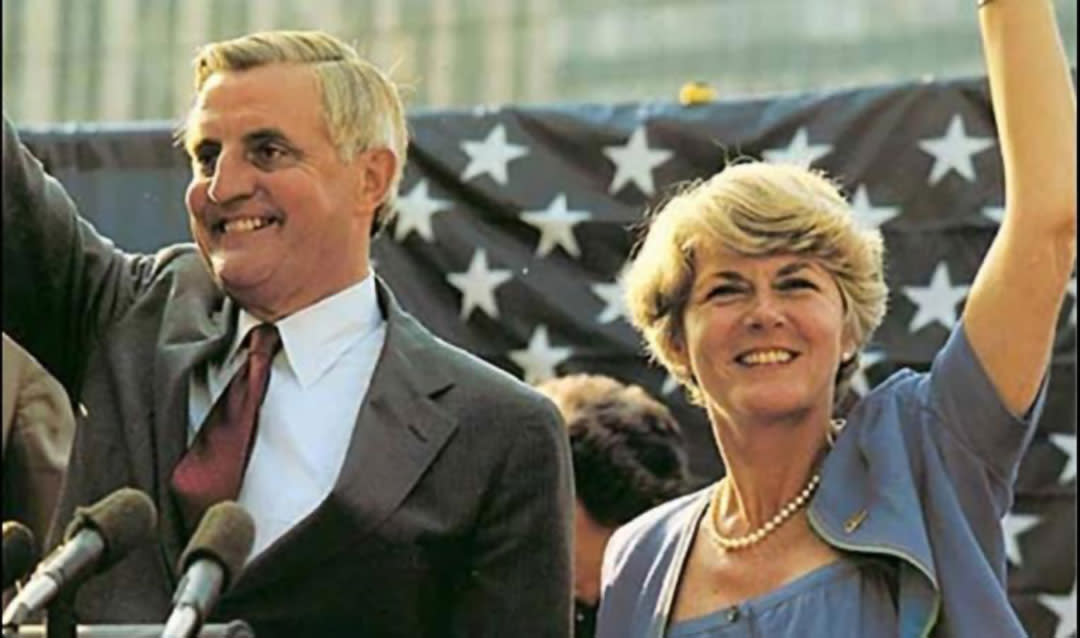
point(848, 345)
point(678, 349)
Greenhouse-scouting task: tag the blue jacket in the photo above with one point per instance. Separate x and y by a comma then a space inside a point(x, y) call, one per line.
point(923, 473)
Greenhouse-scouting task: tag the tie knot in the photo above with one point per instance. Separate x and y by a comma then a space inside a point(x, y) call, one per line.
point(264, 340)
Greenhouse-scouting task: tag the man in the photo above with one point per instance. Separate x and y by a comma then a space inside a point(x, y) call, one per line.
point(399, 486)
point(629, 455)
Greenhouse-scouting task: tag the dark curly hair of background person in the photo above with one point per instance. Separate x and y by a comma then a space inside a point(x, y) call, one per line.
point(628, 451)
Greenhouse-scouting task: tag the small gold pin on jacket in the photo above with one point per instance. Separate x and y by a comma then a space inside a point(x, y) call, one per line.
point(856, 519)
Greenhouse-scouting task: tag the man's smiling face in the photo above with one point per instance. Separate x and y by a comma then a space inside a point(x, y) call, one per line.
point(280, 218)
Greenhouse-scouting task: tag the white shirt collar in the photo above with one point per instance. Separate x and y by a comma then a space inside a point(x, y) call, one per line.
point(315, 337)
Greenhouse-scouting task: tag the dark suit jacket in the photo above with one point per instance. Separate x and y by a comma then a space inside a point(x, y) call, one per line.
point(452, 513)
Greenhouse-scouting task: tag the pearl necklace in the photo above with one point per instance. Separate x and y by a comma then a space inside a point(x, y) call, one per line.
point(755, 537)
point(712, 529)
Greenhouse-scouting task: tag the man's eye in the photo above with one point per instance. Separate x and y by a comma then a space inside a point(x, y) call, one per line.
point(268, 153)
point(205, 161)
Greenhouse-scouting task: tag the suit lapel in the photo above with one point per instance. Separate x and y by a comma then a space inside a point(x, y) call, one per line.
point(399, 430)
point(190, 335)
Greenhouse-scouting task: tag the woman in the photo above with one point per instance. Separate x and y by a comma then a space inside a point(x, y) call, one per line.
point(756, 290)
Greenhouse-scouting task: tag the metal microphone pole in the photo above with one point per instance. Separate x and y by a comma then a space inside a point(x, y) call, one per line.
point(60, 616)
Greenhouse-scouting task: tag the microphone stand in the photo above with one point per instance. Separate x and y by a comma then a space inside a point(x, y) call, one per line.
point(60, 616)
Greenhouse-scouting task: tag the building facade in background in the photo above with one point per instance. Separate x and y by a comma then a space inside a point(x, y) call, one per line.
point(123, 60)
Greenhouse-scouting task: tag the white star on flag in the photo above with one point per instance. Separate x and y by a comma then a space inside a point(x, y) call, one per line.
point(868, 215)
point(1064, 607)
point(1067, 444)
point(1014, 525)
point(799, 151)
point(954, 151)
point(556, 226)
point(539, 359)
point(491, 155)
point(937, 302)
point(612, 296)
point(415, 210)
point(478, 284)
point(867, 360)
point(635, 162)
point(994, 213)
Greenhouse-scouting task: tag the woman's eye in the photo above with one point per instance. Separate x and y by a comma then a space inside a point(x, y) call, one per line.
point(723, 291)
point(793, 284)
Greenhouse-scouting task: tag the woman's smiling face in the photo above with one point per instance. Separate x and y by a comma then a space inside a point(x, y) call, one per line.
point(764, 335)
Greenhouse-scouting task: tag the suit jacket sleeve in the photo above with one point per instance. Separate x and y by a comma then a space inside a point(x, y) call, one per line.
point(519, 581)
point(62, 281)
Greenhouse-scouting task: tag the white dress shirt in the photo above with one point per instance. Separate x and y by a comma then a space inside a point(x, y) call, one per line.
point(317, 383)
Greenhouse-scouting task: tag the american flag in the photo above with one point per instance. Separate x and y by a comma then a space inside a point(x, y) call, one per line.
point(514, 224)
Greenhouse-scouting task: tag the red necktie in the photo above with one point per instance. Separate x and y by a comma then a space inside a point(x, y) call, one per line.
point(213, 467)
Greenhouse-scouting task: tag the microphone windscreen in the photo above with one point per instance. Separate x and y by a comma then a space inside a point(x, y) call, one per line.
point(125, 519)
point(20, 552)
point(226, 534)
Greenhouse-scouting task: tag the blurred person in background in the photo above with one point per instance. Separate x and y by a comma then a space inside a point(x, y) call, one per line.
point(628, 454)
point(38, 427)
point(757, 290)
point(399, 485)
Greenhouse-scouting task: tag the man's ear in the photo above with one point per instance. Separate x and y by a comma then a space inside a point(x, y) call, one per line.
point(377, 167)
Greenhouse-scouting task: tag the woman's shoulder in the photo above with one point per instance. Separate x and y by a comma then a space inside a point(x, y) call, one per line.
point(954, 363)
point(656, 528)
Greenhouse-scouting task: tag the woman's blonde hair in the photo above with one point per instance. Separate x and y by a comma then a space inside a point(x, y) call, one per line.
point(752, 208)
point(361, 105)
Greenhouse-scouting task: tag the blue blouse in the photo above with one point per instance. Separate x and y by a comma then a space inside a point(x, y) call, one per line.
point(851, 597)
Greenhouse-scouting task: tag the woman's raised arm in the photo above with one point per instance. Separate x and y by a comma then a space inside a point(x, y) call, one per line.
point(1015, 299)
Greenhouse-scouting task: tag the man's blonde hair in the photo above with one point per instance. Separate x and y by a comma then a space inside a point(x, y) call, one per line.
point(752, 208)
point(361, 105)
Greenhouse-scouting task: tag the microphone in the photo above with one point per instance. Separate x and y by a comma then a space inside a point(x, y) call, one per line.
point(97, 537)
point(211, 562)
point(20, 552)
